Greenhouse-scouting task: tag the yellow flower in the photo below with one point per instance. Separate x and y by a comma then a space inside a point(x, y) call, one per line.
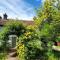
point(28, 33)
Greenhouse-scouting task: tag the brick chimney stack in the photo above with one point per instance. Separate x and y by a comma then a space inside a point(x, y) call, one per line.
point(0, 18)
point(5, 16)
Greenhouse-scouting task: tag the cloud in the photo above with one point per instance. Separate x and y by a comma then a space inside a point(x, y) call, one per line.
point(42, 1)
point(17, 9)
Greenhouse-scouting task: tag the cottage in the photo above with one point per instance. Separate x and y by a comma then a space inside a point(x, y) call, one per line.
point(12, 38)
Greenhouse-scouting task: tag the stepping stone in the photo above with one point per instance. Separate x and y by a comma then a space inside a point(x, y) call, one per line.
point(13, 54)
point(12, 58)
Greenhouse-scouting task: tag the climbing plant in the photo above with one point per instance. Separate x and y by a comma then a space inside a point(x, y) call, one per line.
point(11, 27)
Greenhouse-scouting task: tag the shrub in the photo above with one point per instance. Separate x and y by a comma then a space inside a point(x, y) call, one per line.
point(3, 56)
point(28, 45)
point(11, 27)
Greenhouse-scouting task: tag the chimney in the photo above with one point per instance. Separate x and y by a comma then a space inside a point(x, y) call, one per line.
point(5, 16)
point(0, 18)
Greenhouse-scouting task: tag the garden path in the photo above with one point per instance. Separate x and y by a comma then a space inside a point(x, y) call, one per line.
point(12, 55)
point(12, 58)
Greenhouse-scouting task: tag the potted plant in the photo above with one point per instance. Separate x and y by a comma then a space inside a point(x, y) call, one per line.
point(58, 41)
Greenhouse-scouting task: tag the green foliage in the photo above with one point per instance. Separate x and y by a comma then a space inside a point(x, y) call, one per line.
point(28, 45)
point(11, 27)
point(48, 23)
point(39, 41)
point(58, 39)
point(16, 27)
point(2, 56)
point(35, 42)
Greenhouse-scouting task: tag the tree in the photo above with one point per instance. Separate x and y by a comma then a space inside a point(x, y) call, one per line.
point(48, 22)
point(45, 14)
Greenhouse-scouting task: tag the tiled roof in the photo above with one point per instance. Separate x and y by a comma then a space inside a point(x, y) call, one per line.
point(28, 22)
point(2, 22)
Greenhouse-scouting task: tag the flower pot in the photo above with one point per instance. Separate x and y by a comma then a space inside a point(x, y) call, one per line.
point(58, 43)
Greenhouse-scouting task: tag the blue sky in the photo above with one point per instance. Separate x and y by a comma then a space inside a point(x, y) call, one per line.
point(21, 9)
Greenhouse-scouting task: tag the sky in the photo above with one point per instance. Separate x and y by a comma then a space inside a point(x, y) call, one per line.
point(19, 9)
